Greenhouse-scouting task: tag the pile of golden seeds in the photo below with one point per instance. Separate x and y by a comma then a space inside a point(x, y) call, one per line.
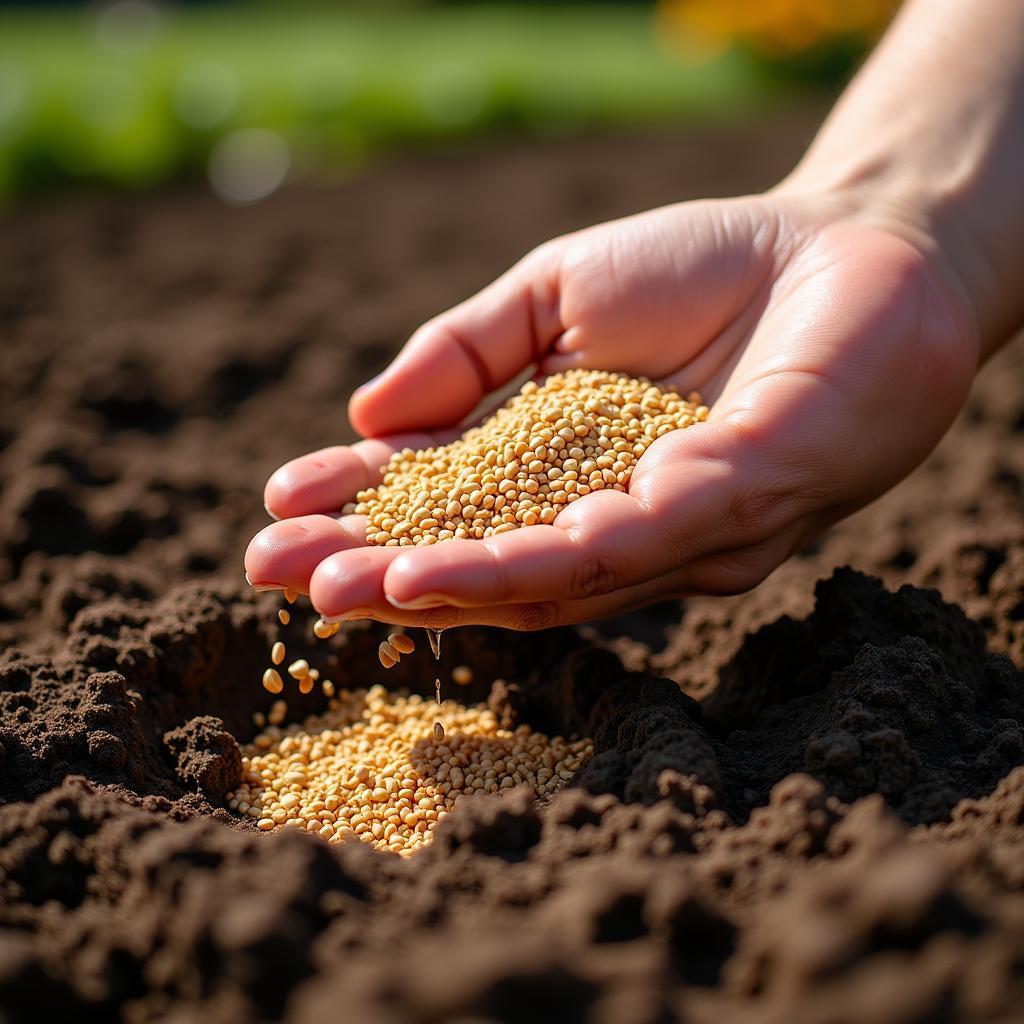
point(375, 767)
point(553, 443)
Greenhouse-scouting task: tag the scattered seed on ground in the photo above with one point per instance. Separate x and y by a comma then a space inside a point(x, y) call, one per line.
point(277, 653)
point(402, 642)
point(553, 443)
point(284, 616)
point(462, 675)
point(369, 768)
point(272, 681)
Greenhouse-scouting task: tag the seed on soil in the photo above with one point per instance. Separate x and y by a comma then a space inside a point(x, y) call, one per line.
point(378, 767)
point(462, 675)
point(325, 630)
point(577, 432)
point(290, 594)
point(284, 616)
point(272, 681)
point(299, 668)
point(402, 643)
point(277, 653)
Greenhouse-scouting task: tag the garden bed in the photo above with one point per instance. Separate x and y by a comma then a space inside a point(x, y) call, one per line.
point(806, 804)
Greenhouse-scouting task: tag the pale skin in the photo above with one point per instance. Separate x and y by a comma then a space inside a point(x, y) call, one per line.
point(834, 324)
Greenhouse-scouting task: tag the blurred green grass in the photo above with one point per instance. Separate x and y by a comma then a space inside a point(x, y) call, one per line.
point(83, 102)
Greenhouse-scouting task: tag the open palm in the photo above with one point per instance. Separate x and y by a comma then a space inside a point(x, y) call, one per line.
point(833, 355)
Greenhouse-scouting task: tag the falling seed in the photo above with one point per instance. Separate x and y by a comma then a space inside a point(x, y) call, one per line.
point(277, 653)
point(385, 658)
point(306, 684)
point(325, 630)
point(402, 643)
point(328, 687)
point(462, 675)
point(259, 719)
point(437, 690)
point(272, 681)
point(299, 669)
point(290, 595)
point(438, 733)
point(284, 616)
point(278, 710)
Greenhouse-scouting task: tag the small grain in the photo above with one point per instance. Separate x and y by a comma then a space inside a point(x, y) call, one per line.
point(325, 630)
point(402, 643)
point(277, 653)
point(272, 681)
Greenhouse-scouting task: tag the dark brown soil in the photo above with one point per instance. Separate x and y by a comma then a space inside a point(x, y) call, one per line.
point(806, 805)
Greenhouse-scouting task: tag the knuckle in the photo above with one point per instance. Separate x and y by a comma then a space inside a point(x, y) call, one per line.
point(596, 575)
point(538, 615)
point(443, 618)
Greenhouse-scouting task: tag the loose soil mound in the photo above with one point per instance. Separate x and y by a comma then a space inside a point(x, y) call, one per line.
point(806, 804)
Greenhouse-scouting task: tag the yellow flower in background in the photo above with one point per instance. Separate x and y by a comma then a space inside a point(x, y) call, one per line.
point(776, 28)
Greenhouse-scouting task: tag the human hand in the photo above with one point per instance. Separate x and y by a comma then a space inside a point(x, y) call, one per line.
point(833, 352)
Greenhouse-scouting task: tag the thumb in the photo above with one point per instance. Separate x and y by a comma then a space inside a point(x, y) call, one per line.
point(455, 360)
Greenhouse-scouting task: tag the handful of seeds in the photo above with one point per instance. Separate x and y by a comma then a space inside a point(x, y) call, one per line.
point(553, 443)
point(375, 767)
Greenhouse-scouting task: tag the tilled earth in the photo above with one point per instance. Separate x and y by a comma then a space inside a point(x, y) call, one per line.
point(806, 804)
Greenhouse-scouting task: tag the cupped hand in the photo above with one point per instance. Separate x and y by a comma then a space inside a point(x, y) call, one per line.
point(833, 351)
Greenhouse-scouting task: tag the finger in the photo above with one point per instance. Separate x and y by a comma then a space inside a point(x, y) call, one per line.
point(285, 554)
point(323, 481)
point(725, 572)
point(690, 501)
point(350, 582)
point(456, 359)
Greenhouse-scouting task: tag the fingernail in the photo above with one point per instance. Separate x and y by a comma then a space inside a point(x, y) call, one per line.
point(266, 508)
point(369, 384)
point(352, 613)
point(263, 588)
point(419, 602)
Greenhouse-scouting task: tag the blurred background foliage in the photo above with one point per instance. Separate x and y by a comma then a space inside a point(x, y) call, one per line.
point(247, 95)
